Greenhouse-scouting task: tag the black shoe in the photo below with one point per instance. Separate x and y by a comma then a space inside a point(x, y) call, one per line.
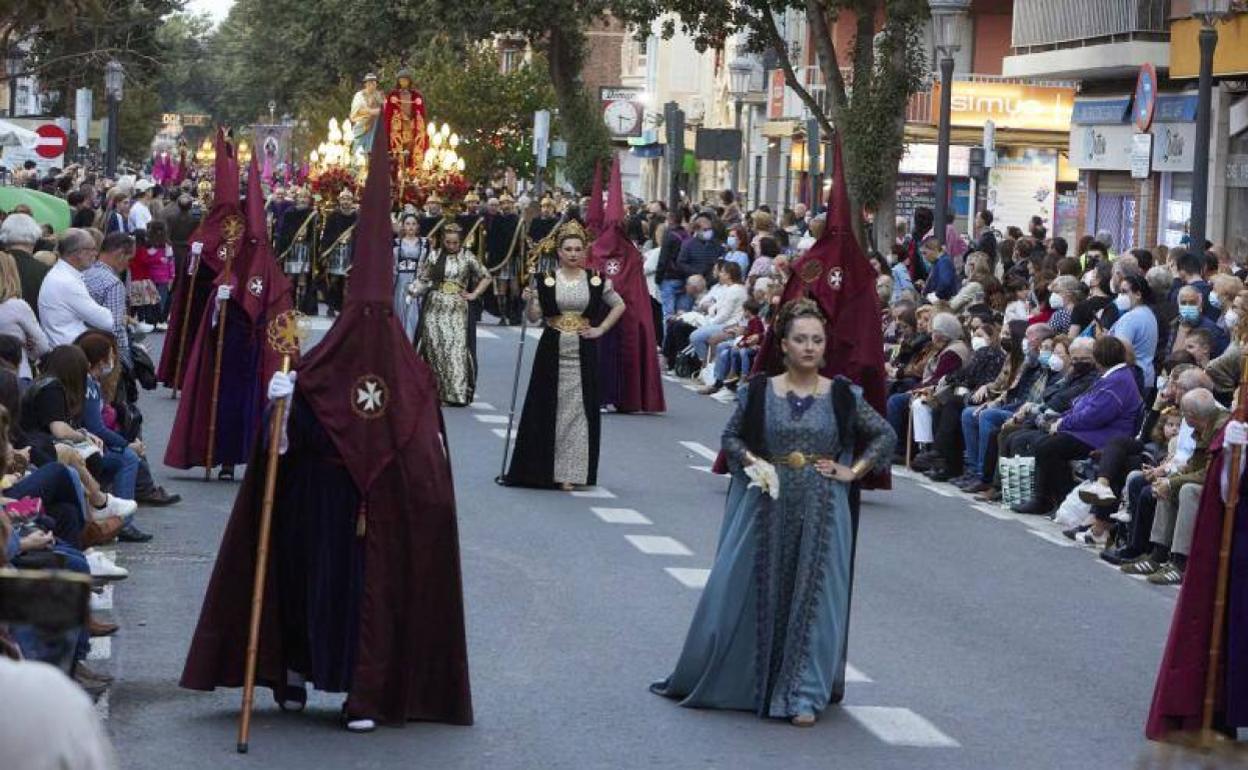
point(1034, 507)
point(132, 534)
point(940, 474)
point(1119, 556)
point(226, 473)
point(159, 497)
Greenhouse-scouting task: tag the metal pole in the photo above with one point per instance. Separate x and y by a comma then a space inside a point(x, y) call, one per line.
point(745, 183)
point(736, 164)
point(942, 149)
point(110, 165)
point(812, 164)
point(1200, 171)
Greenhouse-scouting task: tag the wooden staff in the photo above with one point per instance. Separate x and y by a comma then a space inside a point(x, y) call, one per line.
point(189, 277)
point(283, 336)
point(222, 309)
point(1207, 734)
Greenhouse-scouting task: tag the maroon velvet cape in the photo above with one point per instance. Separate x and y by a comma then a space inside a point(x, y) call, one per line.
point(261, 292)
point(378, 402)
point(192, 284)
point(614, 255)
point(1179, 695)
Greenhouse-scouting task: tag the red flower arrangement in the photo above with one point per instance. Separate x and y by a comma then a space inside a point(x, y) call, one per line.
point(328, 184)
point(452, 187)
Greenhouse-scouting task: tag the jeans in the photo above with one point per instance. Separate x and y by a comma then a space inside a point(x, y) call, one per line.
point(672, 296)
point(701, 338)
point(121, 468)
point(54, 484)
point(975, 432)
point(724, 360)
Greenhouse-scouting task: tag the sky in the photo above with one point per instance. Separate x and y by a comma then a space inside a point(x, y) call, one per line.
point(217, 9)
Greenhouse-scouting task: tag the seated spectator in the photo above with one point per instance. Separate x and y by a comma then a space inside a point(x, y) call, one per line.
point(979, 279)
point(734, 356)
point(677, 330)
point(1064, 296)
point(1191, 318)
point(942, 281)
point(722, 310)
point(949, 353)
point(66, 309)
point(952, 396)
point(1083, 315)
point(1136, 325)
point(104, 284)
point(18, 235)
point(17, 319)
point(1108, 410)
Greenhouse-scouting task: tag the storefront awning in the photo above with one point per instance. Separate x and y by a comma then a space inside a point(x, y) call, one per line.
point(974, 137)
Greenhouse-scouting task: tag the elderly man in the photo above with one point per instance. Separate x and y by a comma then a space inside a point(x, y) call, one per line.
point(66, 309)
point(1192, 317)
point(18, 236)
point(103, 282)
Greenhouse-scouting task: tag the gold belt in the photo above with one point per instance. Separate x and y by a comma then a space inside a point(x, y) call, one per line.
point(799, 459)
point(450, 287)
point(570, 323)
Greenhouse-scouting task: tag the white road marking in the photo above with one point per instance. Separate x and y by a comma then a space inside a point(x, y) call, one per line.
point(689, 577)
point(103, 706)
point(658, 545)
point(502, 433)
point(484, 407)
point(104, 599)
point(497, 419)
point(703, 468)
point(101, 648)
point(852, 674)
point(992, 511)
point(486, 334)
point(939, 490)
point(900, 727)
point(602, 492)
point(700, 449)
point(620, 516)
point(1053, 537)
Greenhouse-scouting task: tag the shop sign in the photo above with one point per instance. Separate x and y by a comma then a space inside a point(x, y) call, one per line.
point(920, 159)
point(1229, 58)
point(1023, 184)
point(1101, 110)
point(1008, 105)
point(1101, 148)
point(1237, 170)
point(775, 95)
point(1141, 155)
point(1173, 146)
point(1176, 108)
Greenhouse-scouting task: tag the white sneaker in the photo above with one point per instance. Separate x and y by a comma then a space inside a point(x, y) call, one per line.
point(1096, 493)
point(361, 725)
point(162, 327)
point(144, 328)
point(116, 506)
point(104, 568)
point(1089, 538)
point(1122, 515)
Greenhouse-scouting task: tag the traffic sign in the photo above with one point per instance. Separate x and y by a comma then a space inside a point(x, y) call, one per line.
point(52, 141)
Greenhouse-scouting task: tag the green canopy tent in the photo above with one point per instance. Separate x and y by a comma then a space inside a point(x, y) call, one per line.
point(46, 209)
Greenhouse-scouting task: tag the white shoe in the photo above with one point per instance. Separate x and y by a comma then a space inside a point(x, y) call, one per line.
point(144, 328)
point(1096, 493)
point(104, 568)
point(116, 506)
point(1122, 515)
point(361, 725)
point(162, 327)
point(1089, 538)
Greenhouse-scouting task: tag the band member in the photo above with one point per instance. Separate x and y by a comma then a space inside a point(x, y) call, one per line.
point(297, 235)
point(557, 442)
point(504, 238)
point(409, 252)
point(449, 282)
point(364, 596)
point(432, 220)
point(335, 256)
point(540, 228)
point(252, 294)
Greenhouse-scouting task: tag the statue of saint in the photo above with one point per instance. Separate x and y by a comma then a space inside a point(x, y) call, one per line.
point(365, 109)
point(405, 118)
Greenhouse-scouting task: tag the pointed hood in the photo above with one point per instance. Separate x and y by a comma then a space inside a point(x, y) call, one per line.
point(615, 196)
point(835, 274)
point(374, 396)
point(225, 170)
point(594, 213)
point(263, 290)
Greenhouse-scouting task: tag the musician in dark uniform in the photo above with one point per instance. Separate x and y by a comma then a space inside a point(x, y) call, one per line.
point(504, 238)
point(335, 255)
point(541, 226)
point(297, 235)
point(433, 219)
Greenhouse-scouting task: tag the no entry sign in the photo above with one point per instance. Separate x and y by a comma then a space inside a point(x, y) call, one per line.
point(52, 141)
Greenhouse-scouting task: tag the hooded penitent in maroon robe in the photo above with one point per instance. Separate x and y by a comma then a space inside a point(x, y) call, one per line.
point(261, 293)
point(629, 377)
point(1179, 696)
point(364, 593)
point(594, 214)
point(221, 230)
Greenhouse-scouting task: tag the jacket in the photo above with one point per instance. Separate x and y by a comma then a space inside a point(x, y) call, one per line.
point(697, 257)
point(943, 282)
point(1194, 471)
point(1107, 410)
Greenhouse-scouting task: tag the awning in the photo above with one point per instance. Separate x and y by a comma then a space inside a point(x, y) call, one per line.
point(974, 137)
point(779, 129)
point(13, 135)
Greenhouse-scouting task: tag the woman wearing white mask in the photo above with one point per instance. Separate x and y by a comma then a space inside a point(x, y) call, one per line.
point(1064, 293)
point(1222, 296)
point(1097, 283)
point(1137, 325)
point(734, 248)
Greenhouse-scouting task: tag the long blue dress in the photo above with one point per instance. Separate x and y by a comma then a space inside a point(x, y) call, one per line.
point(770, 631)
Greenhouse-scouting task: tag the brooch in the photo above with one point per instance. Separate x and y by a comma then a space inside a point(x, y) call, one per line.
point(550, 280)
point(595, 281)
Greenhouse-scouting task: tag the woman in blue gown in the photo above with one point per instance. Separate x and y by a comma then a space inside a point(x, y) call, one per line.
point(770, 632)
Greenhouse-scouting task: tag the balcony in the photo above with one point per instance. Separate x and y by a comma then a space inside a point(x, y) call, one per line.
point(1098, 40)
point(1043, 25)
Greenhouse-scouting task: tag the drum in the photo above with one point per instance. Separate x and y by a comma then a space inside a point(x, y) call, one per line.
point(298, 260)
point(339, 260)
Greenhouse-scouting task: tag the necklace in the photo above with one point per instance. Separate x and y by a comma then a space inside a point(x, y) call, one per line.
point(799, 405)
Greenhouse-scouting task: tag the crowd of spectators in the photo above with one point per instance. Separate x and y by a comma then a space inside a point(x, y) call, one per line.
point(74, 307)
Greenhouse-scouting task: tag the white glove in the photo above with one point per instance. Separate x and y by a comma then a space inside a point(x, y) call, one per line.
point(932, 298)
point(1236, 433)
point(224, 292)
point(762, 474)
point(197, 248)
point(281, 385)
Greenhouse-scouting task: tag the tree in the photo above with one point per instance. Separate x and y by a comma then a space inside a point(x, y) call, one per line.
point(887, 66)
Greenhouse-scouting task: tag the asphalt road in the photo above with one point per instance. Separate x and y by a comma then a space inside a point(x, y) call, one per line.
point(978, 639)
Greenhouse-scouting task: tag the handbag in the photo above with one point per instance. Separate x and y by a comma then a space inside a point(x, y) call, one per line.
point(687, 363)
point(144, 368)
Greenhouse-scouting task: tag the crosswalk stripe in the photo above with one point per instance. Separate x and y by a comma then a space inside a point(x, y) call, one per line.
point(620, 516)
point(900, 727)
point(853, 674)
point(658, 545)
point(592, 492)
point(104, 599)
point(481, 406)
point(700, 449)
point(703, 468)
point(502, 433)
point(496, 419)
point(690, 577)
point(486, 334)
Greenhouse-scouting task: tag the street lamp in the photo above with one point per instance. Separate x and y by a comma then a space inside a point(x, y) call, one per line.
point(739, 72)
point(1210, 12)
point(947, 31)
point(114, 79)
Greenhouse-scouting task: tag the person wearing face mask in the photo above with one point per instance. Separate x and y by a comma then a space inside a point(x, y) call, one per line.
point(734, 248)
point(1191, 317)
point(1225, 289)
point(1136, 325)
point(986, 362)
point(949, 354)
point(1097, 283)
point(699, 254)
point(1063, 296)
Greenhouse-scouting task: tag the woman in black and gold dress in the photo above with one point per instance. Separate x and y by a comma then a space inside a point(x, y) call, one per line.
point(557, 442)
